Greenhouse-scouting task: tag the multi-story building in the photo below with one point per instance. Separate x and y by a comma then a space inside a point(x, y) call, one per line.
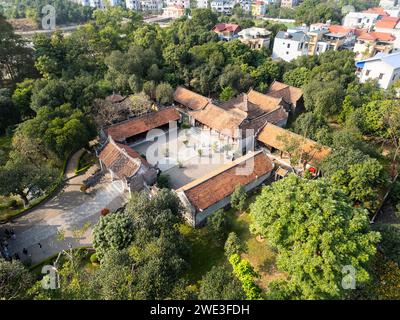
point(368, 44)
point(258, 8)
point(290, 45)
point(227, 31)
point(388, 4)
point(203, 4)
point(255, 38)
point(289, 3)
point(383, 67)
point(151, 5)
point(360, 20)
point(174, 11)
point(184, 3)
point(222, 6)
point(132, 4)
point(96, 4)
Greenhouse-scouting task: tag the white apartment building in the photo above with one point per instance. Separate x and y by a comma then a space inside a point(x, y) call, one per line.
point(132, 4)
point(151, 5)
point(383, 67)
point(202, 4)
point(289, 3)
point(222, 6)
point(290, 45)
point(182, 3)
point(360, 20)
point(245, 4)
point(389, 4)
point(96, 4)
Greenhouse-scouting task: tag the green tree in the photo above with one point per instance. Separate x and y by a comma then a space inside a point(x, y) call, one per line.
point(218, 224)
point(164, 93)
point(238, 198)
point(297, 77)
point(233, 245)
point(15, 280)
point(113, 232)
point(226, 94)
point(316, 231)
point(220, 284)
point(22, 98)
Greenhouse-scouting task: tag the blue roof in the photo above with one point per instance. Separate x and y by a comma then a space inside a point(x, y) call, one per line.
point(392, 59)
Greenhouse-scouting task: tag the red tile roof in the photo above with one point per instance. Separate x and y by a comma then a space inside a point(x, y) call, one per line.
point(123, 161)
point(377, 10)
point(376, 36)
point(229, 27)
point(219, 184)
point(335, 28)
point(190, 99)
point(387, 23)
point(276, 137)
point(288, 93)
point(122, 131)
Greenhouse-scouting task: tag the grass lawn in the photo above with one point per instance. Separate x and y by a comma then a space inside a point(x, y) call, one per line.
point(206, 253)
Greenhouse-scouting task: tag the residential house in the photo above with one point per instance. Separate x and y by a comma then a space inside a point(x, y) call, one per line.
point(388, 4)
point(255, 38)
point(290, 45)
point(204, 196)
point(383, 67)
point(222, 6)
point(292, 95)
point(245, 5)
point(390, 25)
point(133, 4)
point(259, 8)
point(135, 130)
point(360, 20)
point(309, 153)
point(151, 5)
point(227, 31)
point(174, 11)
point(182, 3)
point(370, 43)
point(202, 4)
point(96, 4)
point(126, 165)
point(289, 3)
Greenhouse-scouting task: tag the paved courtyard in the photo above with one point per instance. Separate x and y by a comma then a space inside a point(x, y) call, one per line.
point(178, 155)
point(64, 221)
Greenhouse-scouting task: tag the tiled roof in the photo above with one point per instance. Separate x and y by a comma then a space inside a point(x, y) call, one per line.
point(376, 36)
point(229, 27)
point(270, 135)
point(130, 128)
point(219, 119)
point(190, 99)
point(288, 93)
point(123, 161)
point(377, 10)
point(335, 28)
point(387, 23)
point(219, 184)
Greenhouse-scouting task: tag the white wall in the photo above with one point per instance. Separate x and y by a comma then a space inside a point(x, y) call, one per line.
point(380, 71)
point(288, 49)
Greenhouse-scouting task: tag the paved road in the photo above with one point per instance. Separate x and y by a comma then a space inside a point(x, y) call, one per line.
point(65, 220)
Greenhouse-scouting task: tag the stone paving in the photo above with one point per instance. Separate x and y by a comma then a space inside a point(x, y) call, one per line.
point(66, 220)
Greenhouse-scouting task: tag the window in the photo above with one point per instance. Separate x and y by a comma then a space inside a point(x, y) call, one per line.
point(288, 45)
point(380, 76)
point(367, 72)
point(287, 52)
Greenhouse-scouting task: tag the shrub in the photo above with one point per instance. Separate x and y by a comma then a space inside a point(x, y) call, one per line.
point(93, 258)
point(233, 245)
point(218, 224)
point(163, 181)
point(244, 271)
point(12, 203)
point(238, 198)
